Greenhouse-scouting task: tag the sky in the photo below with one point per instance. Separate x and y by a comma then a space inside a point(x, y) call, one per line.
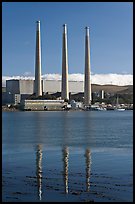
point(111, 36)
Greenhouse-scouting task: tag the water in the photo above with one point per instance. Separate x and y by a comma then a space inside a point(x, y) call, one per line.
point(67, 156)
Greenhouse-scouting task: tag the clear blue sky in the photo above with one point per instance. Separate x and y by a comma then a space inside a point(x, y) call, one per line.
point(111, 36)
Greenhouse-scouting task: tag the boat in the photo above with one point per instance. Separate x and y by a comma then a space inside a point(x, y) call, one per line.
point(100, 109)
point(120, 109)
point(97, 108)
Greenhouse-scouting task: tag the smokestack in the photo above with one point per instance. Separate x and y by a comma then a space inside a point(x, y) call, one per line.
point(102, 94)
point(87, 82)
point(64, 91)
point(38, 86)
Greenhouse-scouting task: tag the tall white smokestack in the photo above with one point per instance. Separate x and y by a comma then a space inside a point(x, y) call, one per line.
point(38, 86)
point(64, 91)
point(87, 81)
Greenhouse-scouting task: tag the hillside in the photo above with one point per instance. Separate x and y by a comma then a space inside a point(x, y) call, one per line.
point(113, 88)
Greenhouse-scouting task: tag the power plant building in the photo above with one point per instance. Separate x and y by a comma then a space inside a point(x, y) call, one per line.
point(16, 90)
point(52, 86)
point(40, 86)
point(20, 86)
point(9, 98)
point(37, 105)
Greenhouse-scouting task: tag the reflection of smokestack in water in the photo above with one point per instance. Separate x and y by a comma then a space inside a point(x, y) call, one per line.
point(88, 166)
point(65, 172)
point(87, 82)
point(64, 91)
point(38, 86)
point(39, 170)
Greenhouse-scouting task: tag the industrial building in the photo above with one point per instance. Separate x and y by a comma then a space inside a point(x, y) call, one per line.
point(24, 88)
point(9, 98)
point(21, 89)
point(20, 86)
point(52, 86)
point(17, 90)
point(44, 105)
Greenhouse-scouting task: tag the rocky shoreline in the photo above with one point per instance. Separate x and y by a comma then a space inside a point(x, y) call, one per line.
point(9, 109)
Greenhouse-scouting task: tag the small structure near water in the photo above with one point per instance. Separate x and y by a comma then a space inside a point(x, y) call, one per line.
point(42, 105)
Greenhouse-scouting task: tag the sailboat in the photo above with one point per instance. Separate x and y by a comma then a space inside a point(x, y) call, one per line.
point(118, 107)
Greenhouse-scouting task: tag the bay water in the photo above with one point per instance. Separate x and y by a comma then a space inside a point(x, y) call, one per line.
point(67, 156)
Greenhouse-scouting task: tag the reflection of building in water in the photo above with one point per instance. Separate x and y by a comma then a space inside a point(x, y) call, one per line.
point(39, 170)
point(88, 166)
point(65, 172)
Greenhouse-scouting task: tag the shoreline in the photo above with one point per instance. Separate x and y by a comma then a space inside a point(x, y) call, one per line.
point(14, 109)
point(6, 109)
point(73, 110)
